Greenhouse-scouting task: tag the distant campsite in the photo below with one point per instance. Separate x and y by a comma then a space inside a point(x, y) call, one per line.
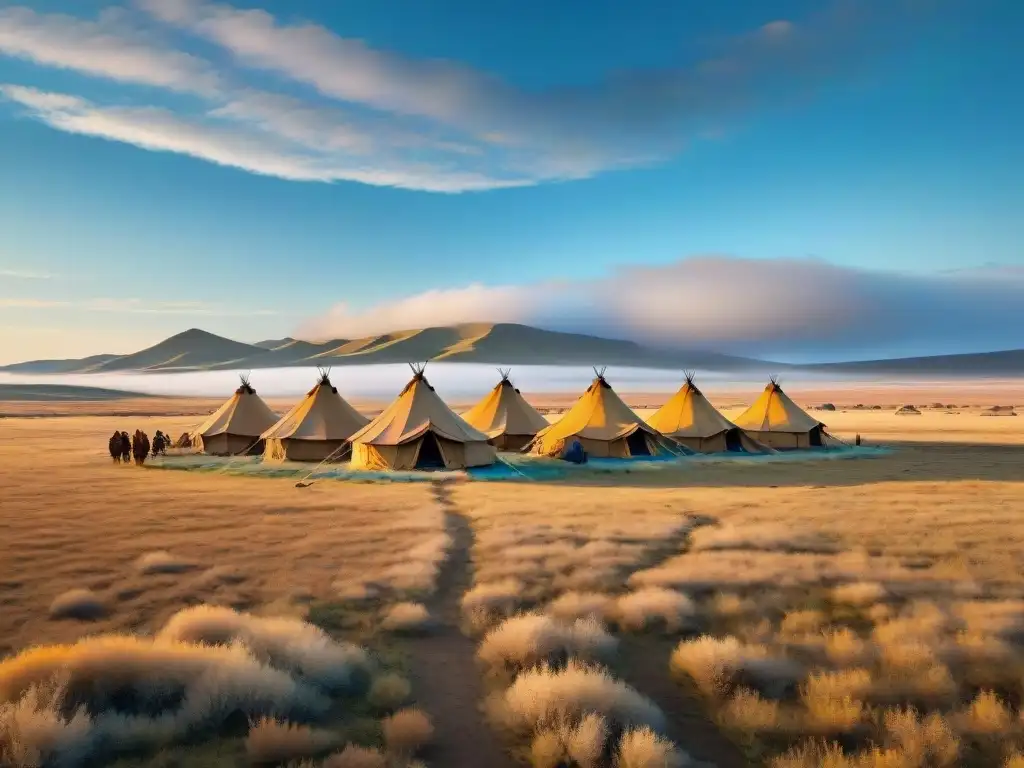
point(418, 432)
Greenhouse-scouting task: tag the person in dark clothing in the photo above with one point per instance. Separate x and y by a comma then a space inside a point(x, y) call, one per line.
point(126, 448)
point(114, 446)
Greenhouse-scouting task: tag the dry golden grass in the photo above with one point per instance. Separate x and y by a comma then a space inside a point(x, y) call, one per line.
point(909, 566)
point(82, 604)
point(579, 743)
point(406, 617)
point(407, 731)
point(71, 520)
point(652, 605)
point(644, 748)
point(529, 639)
point(111, 693)
point(389, 691)
point(354, 756)
point(544, 696)
point(272, 742)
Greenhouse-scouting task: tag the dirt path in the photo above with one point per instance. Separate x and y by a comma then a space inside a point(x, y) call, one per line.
point(443, 663)
point(643, 663)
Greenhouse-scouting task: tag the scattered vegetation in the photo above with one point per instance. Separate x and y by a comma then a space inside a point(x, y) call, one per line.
point(389, 691)
point(81, 604)
point(110, 693)
point(162, 561)
point(530, 639)
point(271, 742)
point(406, 617)
point(407, 731)
point(545, 695)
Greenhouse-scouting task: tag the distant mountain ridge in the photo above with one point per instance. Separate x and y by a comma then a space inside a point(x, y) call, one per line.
point(493, 343)
point(1007, 362)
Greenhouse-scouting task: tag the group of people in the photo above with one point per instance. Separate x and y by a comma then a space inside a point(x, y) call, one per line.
point(124, 448)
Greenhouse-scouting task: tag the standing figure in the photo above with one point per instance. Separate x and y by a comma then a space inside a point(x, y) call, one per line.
point(140, 447)
point(159, 443)
point(114, 446)
point(126, 448)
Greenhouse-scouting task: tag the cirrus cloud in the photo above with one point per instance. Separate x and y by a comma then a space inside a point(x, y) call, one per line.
point(341, 109)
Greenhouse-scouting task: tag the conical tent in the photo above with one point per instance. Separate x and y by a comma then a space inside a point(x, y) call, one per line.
point(505, 417)
point(316, 429)
point(236, 426)
point(604, 425)
point(690, 419)
point(418, 431)
point(777, 421)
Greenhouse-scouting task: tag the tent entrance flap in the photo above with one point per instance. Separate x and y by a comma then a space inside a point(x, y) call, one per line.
point(637, 443)
point(733, 443)
point(815, 437)
point(430, 453)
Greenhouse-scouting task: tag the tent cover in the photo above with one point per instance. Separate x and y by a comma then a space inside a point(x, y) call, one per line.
point(775, 420)
point(690, 419)
point(418, 431)
point(236, 426)
point(505, 417)
point(316, 429)
point(604, 425)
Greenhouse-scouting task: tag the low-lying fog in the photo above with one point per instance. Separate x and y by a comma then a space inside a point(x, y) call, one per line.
point(384, 381)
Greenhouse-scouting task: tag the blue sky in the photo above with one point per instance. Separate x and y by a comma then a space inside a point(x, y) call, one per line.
point(757, 177)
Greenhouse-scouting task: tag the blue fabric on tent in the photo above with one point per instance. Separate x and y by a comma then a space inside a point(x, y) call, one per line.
point(575, 453)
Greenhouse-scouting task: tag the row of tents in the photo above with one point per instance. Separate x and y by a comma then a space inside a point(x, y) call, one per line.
point(419, 431)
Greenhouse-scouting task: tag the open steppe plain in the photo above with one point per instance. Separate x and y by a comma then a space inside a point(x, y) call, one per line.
point(858, 612)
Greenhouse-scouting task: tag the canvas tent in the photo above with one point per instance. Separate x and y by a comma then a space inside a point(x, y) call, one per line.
point(690, 419)
point(316, 429)
point(778, 422)
point(509, 422)
point(418, 431)
point(236, 426)
point(604, 425)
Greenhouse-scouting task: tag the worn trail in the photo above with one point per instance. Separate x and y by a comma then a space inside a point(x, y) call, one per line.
point(443, 663)
point(643, 663)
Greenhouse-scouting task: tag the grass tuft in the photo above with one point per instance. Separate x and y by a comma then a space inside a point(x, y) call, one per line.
point(544, 696)
point(644, 607)
point(406, 617)
point(407, 731)
point(80, 604)
point(389, 691)
point(532, 638)
point(271, 741)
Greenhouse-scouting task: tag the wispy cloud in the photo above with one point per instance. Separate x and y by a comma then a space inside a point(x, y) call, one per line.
point(136, 306)
point(775, 307)
point(228, 144)
point(25, 274)
point(383, 118)
point(110, 47)
point(7, 303)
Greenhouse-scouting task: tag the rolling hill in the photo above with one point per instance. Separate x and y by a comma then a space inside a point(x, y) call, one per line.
point(83, 365)
point(491, 343)
point(60, 393)
point(500, 344)
point(190, 350)
point(1006, 363)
